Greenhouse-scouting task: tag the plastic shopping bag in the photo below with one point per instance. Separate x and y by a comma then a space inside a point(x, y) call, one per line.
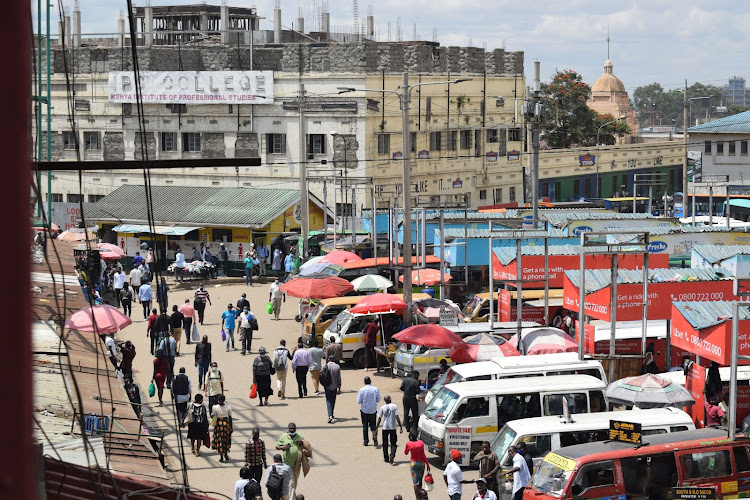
point(223, 336)
point(253, 391)
point(269, 308)
point(196, 335)
point(151, 390)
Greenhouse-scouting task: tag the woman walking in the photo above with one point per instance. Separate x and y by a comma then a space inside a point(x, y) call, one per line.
point(262, 371)
point(223, 428)
point(418, 461)
point(197, 421)
point(160, 374)
point(162, 295)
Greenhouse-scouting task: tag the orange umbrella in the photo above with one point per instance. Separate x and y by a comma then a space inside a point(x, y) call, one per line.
point(109, 251)
point(71, 235)
point(427, 277)
point(313, 288)
point(429, 335)
point(339, 257)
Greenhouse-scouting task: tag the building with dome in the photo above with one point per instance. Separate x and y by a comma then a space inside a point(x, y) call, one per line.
point(608, 96)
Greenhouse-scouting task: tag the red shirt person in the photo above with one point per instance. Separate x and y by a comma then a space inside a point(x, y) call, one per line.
point(371, 339)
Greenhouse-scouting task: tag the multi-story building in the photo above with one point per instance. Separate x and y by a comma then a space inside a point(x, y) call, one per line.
point(735, 92)
point(467, 138)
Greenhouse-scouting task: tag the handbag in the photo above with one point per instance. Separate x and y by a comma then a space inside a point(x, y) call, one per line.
point(269, 307)
point(207, 440)
point(189, 417)
point(196, 335)
point(253, 391)
point(223, 336)
point(151, 390)
point(214, 420)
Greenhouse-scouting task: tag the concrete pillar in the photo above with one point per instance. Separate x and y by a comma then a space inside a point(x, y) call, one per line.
point(121, 31)
point(277, 25)
point(76, 27)
point(370, 27)
point(326, 17)
point(60, 32)
point(148, 26)
point(68, 38)
point(225, 24)
point(301, 24)
point(203, 24)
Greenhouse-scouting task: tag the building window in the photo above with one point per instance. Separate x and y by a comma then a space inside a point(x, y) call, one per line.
point(743, 147)
point(93, 198)
point(514, 134)
point(56, 197)
point(69, 140)
point(707, 147)
point(276, 143)
point(436, 140)
point(177, 108)
point(477, 143)
point(719, 148)
point(576, 188)
point(413, 141)
point(74, 198)
point(91, 141)
point(343, 209)
point(492, 135)
point(451, 146)
point(466, 139)
point(482, 194)
point(384, 144)
point(191, 142)
point(512, 195)
point(614, 185)
point(498, 195)
point(169, 141)
point(316, 144)
point(731, 145)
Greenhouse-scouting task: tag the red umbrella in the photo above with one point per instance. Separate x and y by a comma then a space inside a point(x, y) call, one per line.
point(100, 319)
point(429, 335)
point(108, 251)
point(427, 277)
point(339, 257)
point(314, 288)
point(482, 347)
point(379, 303)
point(546, 340)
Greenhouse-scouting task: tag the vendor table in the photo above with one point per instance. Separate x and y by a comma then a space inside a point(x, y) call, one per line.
point(387, 354)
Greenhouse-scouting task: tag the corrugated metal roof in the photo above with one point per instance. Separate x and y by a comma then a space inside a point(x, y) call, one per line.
point(234, 207)
point(662, 230)
point(735, 123)
point(597, 279)
point(562, 219)
point(704, 314)
point(457, 232)
point(506, 255)
point(717, 253)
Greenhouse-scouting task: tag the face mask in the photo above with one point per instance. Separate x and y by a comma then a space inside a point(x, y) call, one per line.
point(214, 369)
point(292, 434)
point(247, 311)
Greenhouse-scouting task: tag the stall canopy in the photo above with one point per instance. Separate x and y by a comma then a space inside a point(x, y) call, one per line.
point(144, 228)
point(665, 287)
point(561, 258)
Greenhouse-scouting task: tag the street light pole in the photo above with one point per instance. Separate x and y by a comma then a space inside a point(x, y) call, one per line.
point(406, 190)
point(304, 200)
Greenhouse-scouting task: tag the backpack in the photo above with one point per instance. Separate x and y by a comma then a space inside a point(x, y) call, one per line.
point(278, 359)
point(325, 376)
point(251, 489)
point(274, 483)
point(253, 324)
point(199, 416)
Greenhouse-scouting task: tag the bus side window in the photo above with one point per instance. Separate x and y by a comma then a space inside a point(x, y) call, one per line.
point(741, 459)
point(596, 400)
point(707, 464)
point(678, 428)
point(594, 476)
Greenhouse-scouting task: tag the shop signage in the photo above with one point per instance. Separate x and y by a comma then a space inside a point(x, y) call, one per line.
point(448, 317)
point(423, 155)
point(587, 160)
point(626, 432)
point(459, 438)
point(457, 184)
point(514, 155)
point(693, 494)
point(398, 155)
point(491, 157)
point(190, 87)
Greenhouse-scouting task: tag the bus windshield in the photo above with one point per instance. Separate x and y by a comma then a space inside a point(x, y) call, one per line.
point(502, 440)
point(446, 378)
point(441, 405)
point(552, 474)
point(339, 323)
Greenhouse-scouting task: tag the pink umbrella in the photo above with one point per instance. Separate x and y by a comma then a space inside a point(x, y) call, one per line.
point(339, 257)
point(109, 251)
point(482, 347)
point(100, 319)
point(313, 288)
point(76, 235)
point(379, 303)
point(428, 335)
point(427, 277)
point(545, 340)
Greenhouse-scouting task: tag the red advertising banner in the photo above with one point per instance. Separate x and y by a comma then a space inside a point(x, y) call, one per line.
point(695, 383)
point(660, 298)
point(504, 304)
point(743, 402)
point(713, 343)
point(589, 332)
point(533, 267)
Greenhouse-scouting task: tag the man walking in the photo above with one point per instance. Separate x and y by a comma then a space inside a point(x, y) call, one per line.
point(179, 265)
point(411, 387)
point(278, 487)
point(118, 280)
point(388, 415)
point(137, 260)
point(280, 357)
point(229, 317)
point(247, 322)
point(188, 313)
point(182, 391)
point(334, 349)
point(275, 295)
point(368, 399)
point(214, 385)
point(111, 347)
point(176, 321)
point(277, 261)
point(300, 365)
point(249, 263)
point(224, 259)
point(316, 360)
point(489, 465)
point(371, 338)
point(201, 297)
point(292, 447)
point(255, 455)
point(263, 258)
point(128, 354)
point(520, 472)
point(152, 332)
point(202, 358)
point(136, 278)
point(168, 346)
point(242, 302)
point(330, 379)
point(162, 326)
point(453, 476)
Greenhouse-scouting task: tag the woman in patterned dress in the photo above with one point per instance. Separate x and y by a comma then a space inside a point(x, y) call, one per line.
point(223, 429)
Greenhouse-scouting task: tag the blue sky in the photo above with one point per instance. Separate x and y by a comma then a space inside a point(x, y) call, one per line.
point(654, 40)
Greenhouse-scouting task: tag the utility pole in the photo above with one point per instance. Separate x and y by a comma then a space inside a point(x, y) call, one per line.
point(304, 200)
point(685, 153)
point(406, 190)
point(533, 112)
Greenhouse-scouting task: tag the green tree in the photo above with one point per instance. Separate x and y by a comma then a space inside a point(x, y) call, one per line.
point(570, 122)
point(734, 109)
point(655, 106)
point(608, 129)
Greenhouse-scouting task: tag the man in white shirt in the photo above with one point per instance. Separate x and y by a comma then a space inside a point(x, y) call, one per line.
point(136, 279)
point(111, 346)
point(246, 330)
point(275, 295)
point(453, 476)
point(520, 472)
point(118, 280)
point(368, 399)
point(482, 492)
point(179, 264)
point(388, 414)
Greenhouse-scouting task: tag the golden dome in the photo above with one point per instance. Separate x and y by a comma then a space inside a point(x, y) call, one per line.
point(608, 82)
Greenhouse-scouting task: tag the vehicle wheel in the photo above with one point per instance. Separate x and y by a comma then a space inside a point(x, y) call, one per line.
point(298, 318)
point(359, 359)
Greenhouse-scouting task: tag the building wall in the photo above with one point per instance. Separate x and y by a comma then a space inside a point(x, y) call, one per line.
point(717, 157)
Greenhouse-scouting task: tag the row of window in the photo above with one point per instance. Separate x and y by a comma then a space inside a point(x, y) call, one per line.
point(74, 198)
point(731, 147)
point(497, 195)
point(191, 141)
point(451, 139)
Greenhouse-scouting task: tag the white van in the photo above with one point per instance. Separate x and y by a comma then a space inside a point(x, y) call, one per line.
point(566, 363)
point(545, 434)
point(486, 405)
point(426, 360)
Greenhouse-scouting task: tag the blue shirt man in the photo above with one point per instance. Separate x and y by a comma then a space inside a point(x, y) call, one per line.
point(368, 399)
point(229, 316)
point(137, 260)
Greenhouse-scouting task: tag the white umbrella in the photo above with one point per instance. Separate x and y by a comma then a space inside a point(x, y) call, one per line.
point(371, 283)
point(312, 266)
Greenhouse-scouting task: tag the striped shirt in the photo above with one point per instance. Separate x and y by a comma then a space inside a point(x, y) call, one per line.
point(201, 295)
